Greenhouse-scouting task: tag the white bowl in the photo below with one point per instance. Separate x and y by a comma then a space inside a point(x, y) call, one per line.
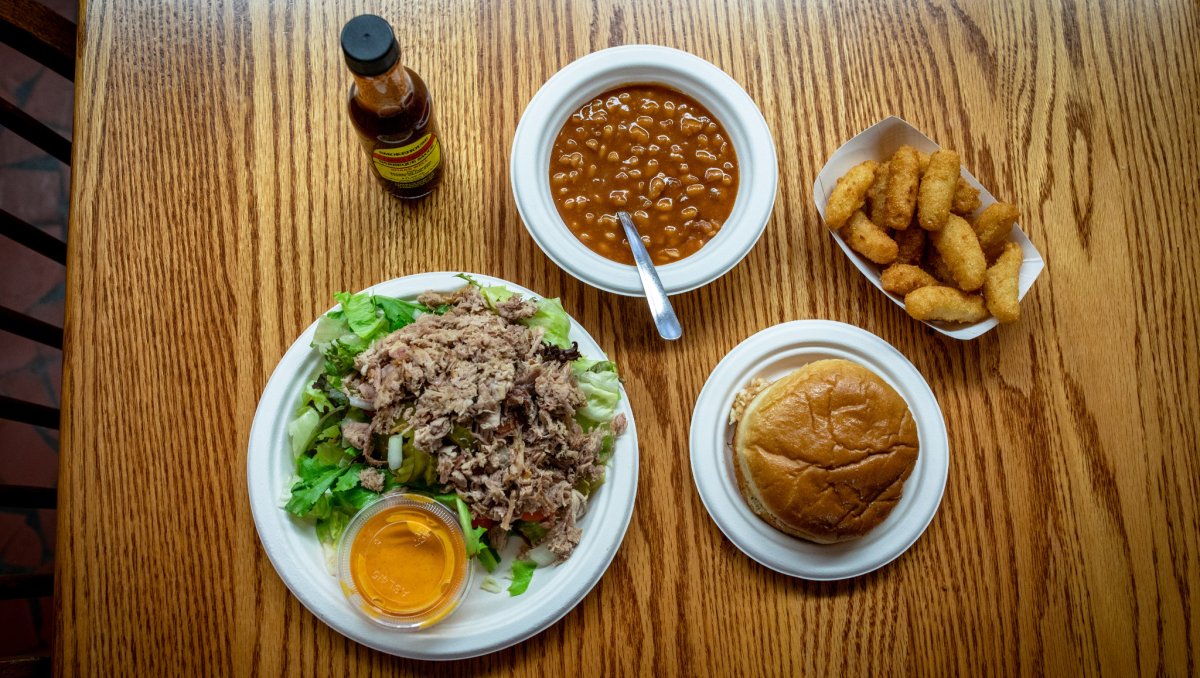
point(583, 79)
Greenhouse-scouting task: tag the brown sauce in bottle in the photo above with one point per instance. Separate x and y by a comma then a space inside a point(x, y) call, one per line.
point(392, 111)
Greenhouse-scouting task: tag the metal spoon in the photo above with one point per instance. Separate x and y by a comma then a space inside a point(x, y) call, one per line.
point(656, 296)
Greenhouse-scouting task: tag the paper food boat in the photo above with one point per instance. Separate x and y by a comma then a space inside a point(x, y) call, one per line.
point(879, 142)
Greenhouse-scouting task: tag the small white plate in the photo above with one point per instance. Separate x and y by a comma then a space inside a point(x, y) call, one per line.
point(772, 354)
point(485, 622)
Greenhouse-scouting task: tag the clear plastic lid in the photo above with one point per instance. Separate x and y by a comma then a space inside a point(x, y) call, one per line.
point(402, 561)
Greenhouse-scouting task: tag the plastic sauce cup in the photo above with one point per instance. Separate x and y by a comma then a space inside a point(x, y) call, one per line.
point(402, 561)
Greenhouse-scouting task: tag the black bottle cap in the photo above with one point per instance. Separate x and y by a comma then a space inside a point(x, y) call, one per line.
point(369, 45)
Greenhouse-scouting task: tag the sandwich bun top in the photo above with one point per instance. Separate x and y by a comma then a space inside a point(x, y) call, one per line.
point(823, 453)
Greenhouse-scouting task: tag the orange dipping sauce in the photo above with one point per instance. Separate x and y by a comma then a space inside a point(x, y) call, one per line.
point(406, 562)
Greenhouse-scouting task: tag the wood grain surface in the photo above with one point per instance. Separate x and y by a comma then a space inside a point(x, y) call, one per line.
point(220, 198)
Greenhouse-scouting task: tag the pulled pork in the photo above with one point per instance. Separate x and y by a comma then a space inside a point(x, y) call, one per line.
point(480, 371)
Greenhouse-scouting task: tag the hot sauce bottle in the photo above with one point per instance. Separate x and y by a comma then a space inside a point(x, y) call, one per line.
point(391, 109)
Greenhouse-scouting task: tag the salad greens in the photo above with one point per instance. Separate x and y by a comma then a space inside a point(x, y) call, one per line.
point(328, 488)
point(522, 574)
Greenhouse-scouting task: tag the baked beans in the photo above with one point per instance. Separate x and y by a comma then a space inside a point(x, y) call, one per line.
point(650, 151)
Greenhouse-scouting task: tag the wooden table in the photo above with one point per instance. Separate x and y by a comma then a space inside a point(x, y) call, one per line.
point(220, 199)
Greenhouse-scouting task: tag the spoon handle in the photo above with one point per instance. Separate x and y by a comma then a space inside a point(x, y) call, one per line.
point(656, 296)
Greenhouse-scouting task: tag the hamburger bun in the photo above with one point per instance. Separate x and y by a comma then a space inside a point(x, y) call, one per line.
point(823, 453)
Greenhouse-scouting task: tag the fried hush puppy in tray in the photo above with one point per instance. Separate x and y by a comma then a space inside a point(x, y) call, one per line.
point(960, 249)
point(869, 240)
point(1001, 286)
point(936, 194)
point(937, 302)
point(900, 195)
point(911, 215)
point(900, 279)
point(849, 194)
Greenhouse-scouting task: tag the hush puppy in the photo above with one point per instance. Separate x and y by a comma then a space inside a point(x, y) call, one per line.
point(901, 195)
point(1001, 288)
point(849, 194)
point(966, 198)
point(959, 249)
point(869, 240)
point(876, 194)
point(936, 193)
point(994, 224)
point(904, 278)
point(946, 304)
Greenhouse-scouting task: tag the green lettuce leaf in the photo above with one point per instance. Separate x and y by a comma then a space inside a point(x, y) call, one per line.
point(349, 479)
point(354, 499)
point(340, 353)
point(331, 453)
point(399, 312)
point(553, 318)
point(322, 508)
point(487, 556)
point(602, 386)
point(315, 479)
point(522, 574)
point(319, 399)
point(470, 534)
point(476, 542)
point(303, 430)
point(364, 319)
point(330, 529)
point(348, 494)
point(418, 468)
point(331, 326)
point(606, 448)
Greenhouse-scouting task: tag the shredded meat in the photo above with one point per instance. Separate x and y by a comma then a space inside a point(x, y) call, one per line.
point(357, 434)
point(619, 424)
point(478, 371)
point(371, 479)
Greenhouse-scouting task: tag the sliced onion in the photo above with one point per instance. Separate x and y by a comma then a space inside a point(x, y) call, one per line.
point(361, 404)
point(542, 555)
point(395, 451)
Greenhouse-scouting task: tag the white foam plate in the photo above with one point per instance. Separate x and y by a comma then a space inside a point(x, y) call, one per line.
point(771, 354)
point(485, 622)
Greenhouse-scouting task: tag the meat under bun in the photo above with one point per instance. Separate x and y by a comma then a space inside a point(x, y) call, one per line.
point(823, 453)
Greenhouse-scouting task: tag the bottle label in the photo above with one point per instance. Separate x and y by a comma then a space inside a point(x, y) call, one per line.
point(411, 165)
